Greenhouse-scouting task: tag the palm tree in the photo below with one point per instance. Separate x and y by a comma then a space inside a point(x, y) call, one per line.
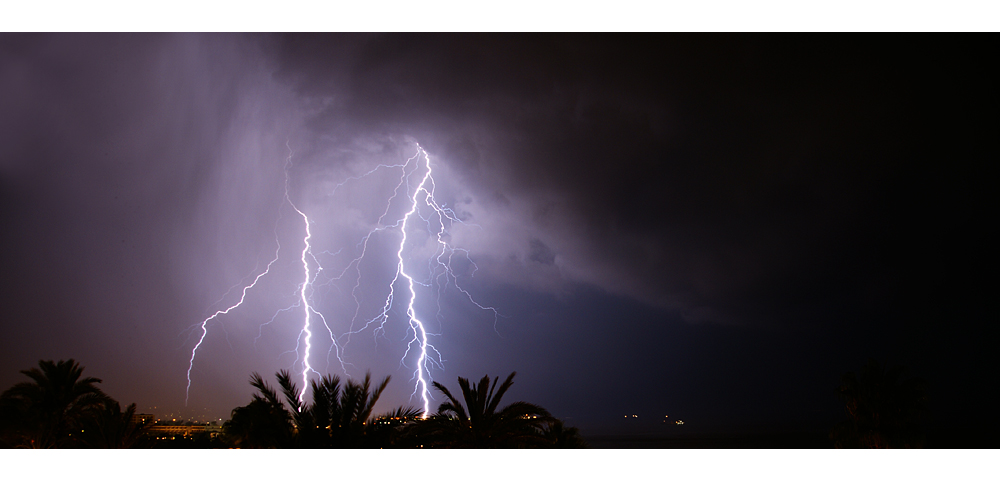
point(264, 423)
point(356, 404)
point(338, 416)
point(110, 428)
point(884, 409)
point(389, 429)
point(259, 425)
point(50, 410)
point(561, 437)
point(479, 424)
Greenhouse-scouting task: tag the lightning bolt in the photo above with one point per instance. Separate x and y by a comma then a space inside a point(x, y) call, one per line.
point(204, 324)
point(422, 207)
point(419, 331)
point(304, 293)
point(437, 220)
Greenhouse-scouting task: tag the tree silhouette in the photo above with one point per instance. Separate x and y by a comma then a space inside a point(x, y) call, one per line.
point(110, 428)
point(389, 429)
point(258, 425)
point(478, 423)
point(338, 417)
point(50, 410)
point(884, 409)
point(264, 423)
point(561, 437)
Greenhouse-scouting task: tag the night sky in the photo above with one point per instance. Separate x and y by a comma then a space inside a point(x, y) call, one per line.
point(711, 227)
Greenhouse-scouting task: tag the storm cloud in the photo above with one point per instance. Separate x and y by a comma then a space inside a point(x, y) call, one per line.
point(632, 203)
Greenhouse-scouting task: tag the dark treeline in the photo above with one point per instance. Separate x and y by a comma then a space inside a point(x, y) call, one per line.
point(60, 408)
point(340, 416)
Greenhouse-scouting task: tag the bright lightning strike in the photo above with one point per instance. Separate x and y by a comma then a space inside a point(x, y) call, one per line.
point(204, 324)
point(419, 332)
point(417, 186)
point(307, 309)
point(437, 220)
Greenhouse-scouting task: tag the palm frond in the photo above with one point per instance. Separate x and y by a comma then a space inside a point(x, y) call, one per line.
point(402, 412)
point(453, 406)
point(372, 398)
point(267, 393)
point(499, 394)
point(290, 390)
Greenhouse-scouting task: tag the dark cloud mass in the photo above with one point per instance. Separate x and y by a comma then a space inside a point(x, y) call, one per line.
point(720, 225)
point(681, 171)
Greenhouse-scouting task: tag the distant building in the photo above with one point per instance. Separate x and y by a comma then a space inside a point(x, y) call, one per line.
point(143, 419)
point(171, 429)
point(177, 430)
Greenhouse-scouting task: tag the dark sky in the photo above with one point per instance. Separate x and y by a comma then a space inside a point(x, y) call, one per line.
point(711, 227)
